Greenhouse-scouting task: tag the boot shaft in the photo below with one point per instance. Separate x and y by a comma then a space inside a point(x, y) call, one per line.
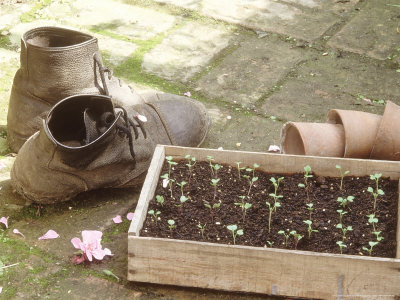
point(56, 63)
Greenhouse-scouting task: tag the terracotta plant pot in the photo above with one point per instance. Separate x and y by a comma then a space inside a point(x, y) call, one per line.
point(360, 129)
point(387, 143)
point(318, 139)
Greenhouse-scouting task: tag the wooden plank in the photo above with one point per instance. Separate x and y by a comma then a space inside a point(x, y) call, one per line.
point(148, 190)
point(262, 270)
point(270, 162)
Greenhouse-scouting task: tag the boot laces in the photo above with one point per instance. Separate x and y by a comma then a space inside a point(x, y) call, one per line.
point(102, 70)
point(129, 123)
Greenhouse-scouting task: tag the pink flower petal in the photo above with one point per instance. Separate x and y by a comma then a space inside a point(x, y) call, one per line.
point(165, 182)
point(51, 234)
point(274, 148)
point(129, 216)
point(117, 219)
point(16, 231)
point(77, 243)
point(78, 259)
point(4, 220)
point(142, 118)
point(187, 94)
point(107, 251)
point(91, 236)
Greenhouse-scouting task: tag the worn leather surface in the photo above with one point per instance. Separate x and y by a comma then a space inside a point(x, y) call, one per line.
point(59, 162)
point(55, 63)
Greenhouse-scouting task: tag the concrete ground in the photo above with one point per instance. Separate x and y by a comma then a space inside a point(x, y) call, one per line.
point(262, 62)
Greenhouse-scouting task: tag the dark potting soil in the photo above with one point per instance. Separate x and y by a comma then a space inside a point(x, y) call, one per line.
point(322, 193)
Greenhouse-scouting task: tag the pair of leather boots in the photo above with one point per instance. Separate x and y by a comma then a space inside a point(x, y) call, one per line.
point(78, 128)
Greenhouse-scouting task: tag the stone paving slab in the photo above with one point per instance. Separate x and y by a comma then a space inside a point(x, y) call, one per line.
point(304, 19)
point(186, 51)
point(10, 14)
point(114, 16)
point(237, 128)
point(372, 32)
point(251, 70)
point(332, 82)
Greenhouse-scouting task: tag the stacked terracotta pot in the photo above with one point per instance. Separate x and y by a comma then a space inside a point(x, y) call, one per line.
point(347, 133)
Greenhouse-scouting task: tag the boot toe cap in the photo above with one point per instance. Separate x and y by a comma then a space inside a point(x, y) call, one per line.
point(186, 120)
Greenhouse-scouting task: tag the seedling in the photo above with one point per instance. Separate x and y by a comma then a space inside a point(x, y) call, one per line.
point(307, 171)
point(371, 246)
point(270, 244)
point(235, 232)
point(378, 235)
point(271, 209)
point(160, 200)
point(214, 183)
point(251, 182)
point(377, 192)
point(171, 224)
point(166, 178)
point(276, 186)
point(239, 168)
point(297, 238)
point(343, 201)
point(342, 174)
point(216, 167)
point(154, 215)
point(372, 220)
point(341, 246)
point(181, 185)
point(202, 228)
point(190, 164)
point(309, 229)
point(285, 235)
point(344, 230)
point(182, 200)
point(255, 166)
point(170, 164)
point(341, 214)
point(210, 160)
point(310, 208)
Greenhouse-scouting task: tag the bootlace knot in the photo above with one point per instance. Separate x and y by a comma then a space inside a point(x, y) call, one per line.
point(137, 122)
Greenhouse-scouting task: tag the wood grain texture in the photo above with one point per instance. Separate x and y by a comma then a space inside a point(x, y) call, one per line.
point(262, 270)
point(254, 269)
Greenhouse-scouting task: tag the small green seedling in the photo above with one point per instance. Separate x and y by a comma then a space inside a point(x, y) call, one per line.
point(276, 183)
point(372, 220)
point(343, 201)
point(214, 183)
point(341, 214)
point(160, 200)
point(309, 229)
point(168, 181)
point(285, 235)
point(270, 244)
point(210, 160)
point(342, 174)
point(181, 185)
point(377, 192)
point(251, 181)
point(371, 247)
point(239, 168)
point(202, 228)
point(170, 164)
point(243, 205)
point(182, 200)
point(216, 167)
point(310, 208)
point(297, 238)
point(341, 246)
point(307, 171)
point(271, 209)
point(378, 236)
point(212, 208)
point(154, 214)
point(255, 166)
point(190, 164)
point(344, 230)
point(171, 224)
point(235, 232)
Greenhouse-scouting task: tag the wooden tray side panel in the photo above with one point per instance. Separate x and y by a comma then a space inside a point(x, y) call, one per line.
point(398, 227)
point(325, 166)
point(267, 271)
point(148, 190)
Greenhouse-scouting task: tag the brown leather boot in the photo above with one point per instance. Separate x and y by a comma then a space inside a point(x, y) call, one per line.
point(85, 143)
point(57, 63)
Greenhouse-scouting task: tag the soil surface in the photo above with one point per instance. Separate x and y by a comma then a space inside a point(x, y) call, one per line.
point(322, 193)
